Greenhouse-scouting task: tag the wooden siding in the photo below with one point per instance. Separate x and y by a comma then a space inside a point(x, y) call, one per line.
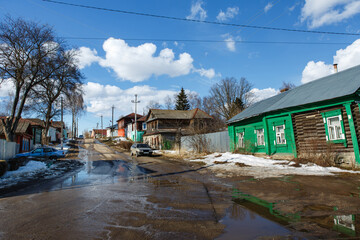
point(310, 135)
point(356, 118)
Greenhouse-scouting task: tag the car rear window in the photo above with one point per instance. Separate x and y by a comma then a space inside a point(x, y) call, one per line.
point(142, 145)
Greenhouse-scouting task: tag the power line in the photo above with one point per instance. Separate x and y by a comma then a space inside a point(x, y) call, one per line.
point(200, 21)
point(212, 41)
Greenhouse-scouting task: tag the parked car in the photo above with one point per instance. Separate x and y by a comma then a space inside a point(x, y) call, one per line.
point(138, 149)
point(43, 152)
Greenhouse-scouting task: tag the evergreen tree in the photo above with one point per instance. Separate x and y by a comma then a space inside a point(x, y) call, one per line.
point(182, 102)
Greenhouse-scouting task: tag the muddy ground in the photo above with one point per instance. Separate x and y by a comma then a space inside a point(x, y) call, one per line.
point(304, 203)
point(115, 196)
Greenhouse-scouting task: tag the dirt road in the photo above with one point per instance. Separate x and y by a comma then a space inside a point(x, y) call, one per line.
point(116, 196)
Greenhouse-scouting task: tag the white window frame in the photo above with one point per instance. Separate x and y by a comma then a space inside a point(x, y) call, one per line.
point(332, 128)
point(260, 140)
point(240, 137)
point(280, 135)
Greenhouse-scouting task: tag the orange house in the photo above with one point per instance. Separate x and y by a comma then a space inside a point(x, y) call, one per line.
point(124, 121)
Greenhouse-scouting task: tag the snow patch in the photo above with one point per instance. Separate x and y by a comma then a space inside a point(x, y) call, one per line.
point(30, 169)
point(262, 167)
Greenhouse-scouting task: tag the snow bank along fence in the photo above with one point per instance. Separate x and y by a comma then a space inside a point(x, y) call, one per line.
point(218, 142)
point(7, 149)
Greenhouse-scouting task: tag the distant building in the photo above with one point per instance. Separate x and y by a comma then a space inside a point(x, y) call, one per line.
point(130, 133)
point(114, 132)
point(123, 123)
point(98, 133)
point(162, 126)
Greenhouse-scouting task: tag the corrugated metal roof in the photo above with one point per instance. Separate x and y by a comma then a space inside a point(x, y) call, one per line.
point(131, 116)
point(177, 114)
point(337, 85)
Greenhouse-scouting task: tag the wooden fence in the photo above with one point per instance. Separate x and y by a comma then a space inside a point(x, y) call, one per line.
point(7, 149)
point(218, 142)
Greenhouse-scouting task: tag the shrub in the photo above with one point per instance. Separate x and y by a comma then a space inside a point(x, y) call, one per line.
point(167, 145)
point(125, 145)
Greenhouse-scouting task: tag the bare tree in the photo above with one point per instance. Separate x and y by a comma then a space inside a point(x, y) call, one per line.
point(287, 86)
point(75, 103)
point(152, 105)
point(26, 48)
point(168, 103)
point(194, 100)
point(47, 93)
point(230, 96)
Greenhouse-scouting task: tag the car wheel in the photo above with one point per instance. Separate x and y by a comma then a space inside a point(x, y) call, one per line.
point(150, 154)
point(137, 154)
point(131, 154)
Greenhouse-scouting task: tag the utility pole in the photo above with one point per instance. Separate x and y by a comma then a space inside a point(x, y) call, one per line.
point(77, 128)
point(112, 122)
point(62, 124)
point(136, 102)
point(102, 126)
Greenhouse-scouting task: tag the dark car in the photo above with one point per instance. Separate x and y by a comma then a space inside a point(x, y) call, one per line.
point(43, 153)
point(138, 149)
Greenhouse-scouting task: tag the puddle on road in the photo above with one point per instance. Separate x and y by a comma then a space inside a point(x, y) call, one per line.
point(103, 172)
point(242, 223)
point(252, 217)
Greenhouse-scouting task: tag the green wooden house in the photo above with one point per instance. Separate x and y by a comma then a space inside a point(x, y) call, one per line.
point(314, 118)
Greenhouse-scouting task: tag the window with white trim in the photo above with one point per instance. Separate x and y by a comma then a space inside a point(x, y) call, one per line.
point(280, 134)
point(240, 143)
point(334, 128)
point(260, 137)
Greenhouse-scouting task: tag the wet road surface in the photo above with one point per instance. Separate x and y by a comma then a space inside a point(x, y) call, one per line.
point(117, 197)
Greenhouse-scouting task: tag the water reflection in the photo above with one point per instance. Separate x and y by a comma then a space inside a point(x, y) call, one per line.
point(346, 225)
point(103, 172)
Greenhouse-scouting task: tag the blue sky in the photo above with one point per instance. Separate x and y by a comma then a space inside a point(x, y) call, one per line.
point(117, 67)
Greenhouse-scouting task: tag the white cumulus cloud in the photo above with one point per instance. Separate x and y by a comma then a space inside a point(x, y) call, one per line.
point(230, 13)
point(268, 7)
point(261, 94)
point(100, 98)
point(318, 13)
point(85, 57)
point(138, 63)
point(345, 58)
point(209, 73)
point(197, 11)
point(230, 41)
point(7, 87)
point(315, 70)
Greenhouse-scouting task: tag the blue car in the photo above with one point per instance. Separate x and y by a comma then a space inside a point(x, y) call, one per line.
point(43, 152)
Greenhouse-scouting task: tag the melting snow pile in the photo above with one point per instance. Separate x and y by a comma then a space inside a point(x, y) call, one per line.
point(262, 167)
point(30, 169)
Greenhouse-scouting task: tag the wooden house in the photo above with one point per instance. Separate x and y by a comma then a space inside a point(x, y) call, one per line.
point(23, 135)
point(314, 118)
point(163, 125)
point(124, 121)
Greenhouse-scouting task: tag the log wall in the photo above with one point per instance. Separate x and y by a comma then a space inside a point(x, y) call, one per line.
point(310, 135)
